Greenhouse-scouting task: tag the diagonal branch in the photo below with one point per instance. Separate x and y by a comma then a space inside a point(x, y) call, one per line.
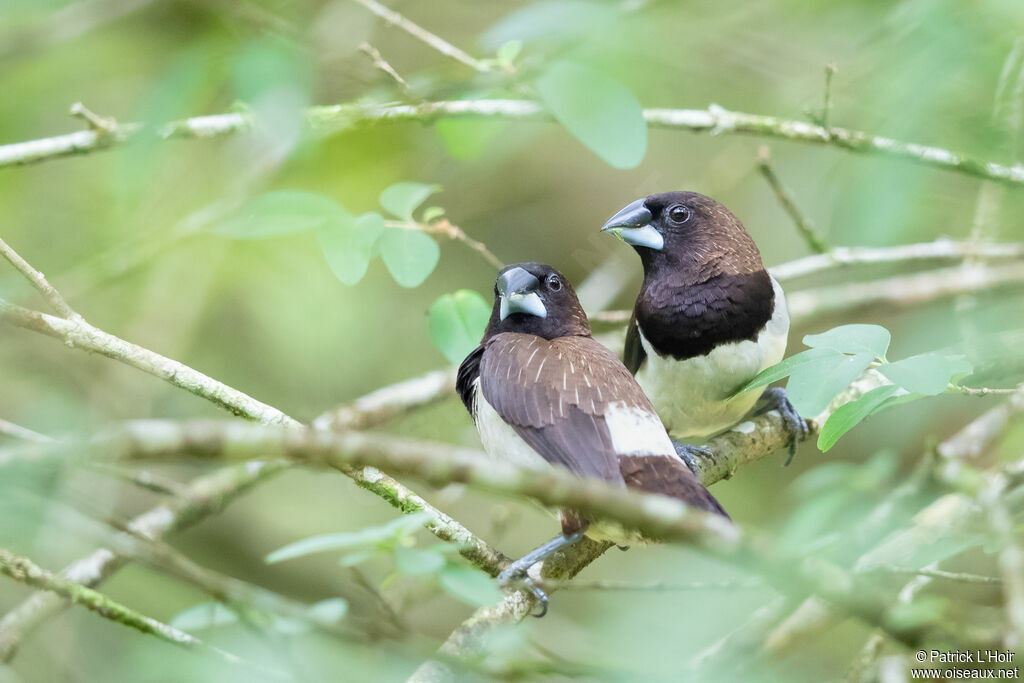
point(421, 34)
point(39, 281)
point(25, 571)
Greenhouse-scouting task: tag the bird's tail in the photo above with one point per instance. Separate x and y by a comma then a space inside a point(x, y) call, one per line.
point(669, 477)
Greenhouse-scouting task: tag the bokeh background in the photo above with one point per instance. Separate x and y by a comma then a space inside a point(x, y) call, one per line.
point(112, 230)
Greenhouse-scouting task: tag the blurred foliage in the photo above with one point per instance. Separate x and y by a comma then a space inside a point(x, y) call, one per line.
point(153, 242)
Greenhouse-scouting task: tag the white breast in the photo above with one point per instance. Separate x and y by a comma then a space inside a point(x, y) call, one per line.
point(692, 396)
point(499, 439)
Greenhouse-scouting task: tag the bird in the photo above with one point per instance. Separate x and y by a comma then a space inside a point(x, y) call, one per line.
point(544, 393)
point(708, 318)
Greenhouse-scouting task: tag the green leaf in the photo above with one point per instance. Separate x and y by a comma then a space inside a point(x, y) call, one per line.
point(852, 339)
point(457, 322)
point(849, 415)
point(597, 110)
point(409, 255)
point(401, 199)
point(470, 585)
point(508, 52)
point(204, 615)
point(349, 244)
point(358, 557)
point(926, 374)
point(414, 561)
point(395, 529)
point(813, 385)
point(281, 213)
point(785, 367)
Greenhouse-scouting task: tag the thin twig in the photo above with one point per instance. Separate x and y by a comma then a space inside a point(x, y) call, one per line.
point(39, 281)
point(985, 391)
point(714, 119)
point(826, 108)
point(383, 65)
point(19, 432)
point(25, 571)
point(451, 231)
point(420, 33)
point(807, 231)
point(932, 573)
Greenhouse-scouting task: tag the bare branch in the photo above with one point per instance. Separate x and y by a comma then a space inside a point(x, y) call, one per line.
point(714, 120)
point(903, 290)
point(807, 231)
point(24, 570)
point(383, 65)
point(451, 231)
point(38, 280)
point(19, 432)
point(942, 249)
point(420, 33)
point(204, 497)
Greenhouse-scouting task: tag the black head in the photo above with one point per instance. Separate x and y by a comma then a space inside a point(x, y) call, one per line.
point(532, 298)
point(688, 232)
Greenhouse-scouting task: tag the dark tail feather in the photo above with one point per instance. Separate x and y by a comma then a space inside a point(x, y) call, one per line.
point(669, 477)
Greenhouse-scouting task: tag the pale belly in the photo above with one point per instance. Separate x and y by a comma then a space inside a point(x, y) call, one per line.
point(692, 397)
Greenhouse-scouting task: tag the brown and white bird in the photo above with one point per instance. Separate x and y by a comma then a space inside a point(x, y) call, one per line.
point(708, 318)
point(544, 393)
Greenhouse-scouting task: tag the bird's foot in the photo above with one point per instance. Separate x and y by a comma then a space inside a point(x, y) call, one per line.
point(517, 575)
point(691, 455)
point(775, 399)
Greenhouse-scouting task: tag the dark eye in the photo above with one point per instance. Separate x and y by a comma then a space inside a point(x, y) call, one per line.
point(679, 214)
point(554, 284)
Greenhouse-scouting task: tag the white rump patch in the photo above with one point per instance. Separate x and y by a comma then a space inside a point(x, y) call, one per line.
point(635, 431)
point(744, 427)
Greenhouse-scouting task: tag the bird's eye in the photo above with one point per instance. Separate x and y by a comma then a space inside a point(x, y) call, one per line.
point(679, 214)
point(554, 284)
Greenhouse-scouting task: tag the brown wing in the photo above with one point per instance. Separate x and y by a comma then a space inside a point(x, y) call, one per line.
point(555, 393)
point(633, 354)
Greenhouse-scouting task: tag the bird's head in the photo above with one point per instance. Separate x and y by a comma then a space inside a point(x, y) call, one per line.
point(685, 231)
point(533, 298)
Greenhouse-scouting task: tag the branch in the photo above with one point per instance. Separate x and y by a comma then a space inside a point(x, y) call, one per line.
point(208, 495)
point(714, 120)
point(655, 517)
point(900, 290)
point(943, 515)
point(25, 571)
point(815, 241)
point(77, 333)
point(19, 432)
point(80, 334)
point(438, 464)
point(416, 31)
point(945, 249)
point(903, 290)
point(453, 232)
point(38, 280)
point(204, 497)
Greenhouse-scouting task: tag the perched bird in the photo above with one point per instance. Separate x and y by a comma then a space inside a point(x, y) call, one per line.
point(708, 318)
point(544, 393)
